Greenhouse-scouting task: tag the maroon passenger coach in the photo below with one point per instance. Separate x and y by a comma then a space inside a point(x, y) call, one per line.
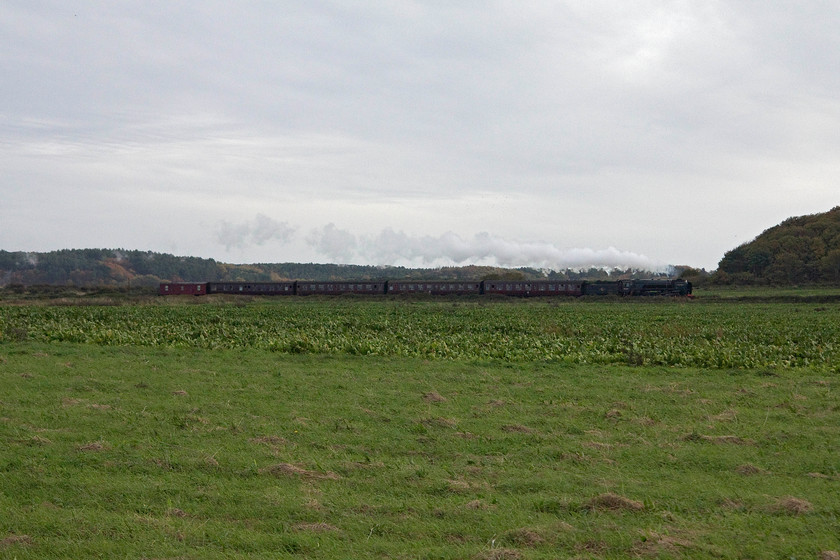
point(183, 288)
point(336, 288)
point(534, 288)
point(252, 288)
point(434, 288)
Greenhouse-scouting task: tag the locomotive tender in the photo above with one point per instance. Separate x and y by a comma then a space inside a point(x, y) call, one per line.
point(529, 288)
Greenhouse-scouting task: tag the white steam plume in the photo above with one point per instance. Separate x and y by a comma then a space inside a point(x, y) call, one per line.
point(396, 247)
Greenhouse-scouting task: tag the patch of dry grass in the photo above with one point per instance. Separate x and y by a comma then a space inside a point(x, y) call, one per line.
point(94, 446)
point(613, 502)
point(750, 470)
point(288, 469)
point(656, 545)
point(500, 554)
point(517, 428)
point(434, 397)
point(319, 527)
point(523, 538)
point(720, 440)
point(789, 505)
point(22, 540)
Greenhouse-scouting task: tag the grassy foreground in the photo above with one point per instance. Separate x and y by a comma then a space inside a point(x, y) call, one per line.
point(163, 452)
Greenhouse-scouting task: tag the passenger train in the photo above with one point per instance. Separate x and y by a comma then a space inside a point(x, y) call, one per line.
point(521, 288)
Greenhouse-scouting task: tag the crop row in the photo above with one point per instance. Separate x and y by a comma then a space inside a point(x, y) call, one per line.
point(691, 335)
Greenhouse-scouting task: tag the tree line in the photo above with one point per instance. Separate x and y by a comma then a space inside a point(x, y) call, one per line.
point(131, 268)
point(800, 250)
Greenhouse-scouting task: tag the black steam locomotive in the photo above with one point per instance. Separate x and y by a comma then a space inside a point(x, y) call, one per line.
point(530, 288)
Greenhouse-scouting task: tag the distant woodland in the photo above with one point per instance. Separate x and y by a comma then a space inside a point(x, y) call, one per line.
point(124, 268)
point(799, 251)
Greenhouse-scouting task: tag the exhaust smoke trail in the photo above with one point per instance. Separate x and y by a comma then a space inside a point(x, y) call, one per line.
point(390, 247)
point(396, 247)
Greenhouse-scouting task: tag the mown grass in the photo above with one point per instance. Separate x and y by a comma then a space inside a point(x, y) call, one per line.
point(163, 452)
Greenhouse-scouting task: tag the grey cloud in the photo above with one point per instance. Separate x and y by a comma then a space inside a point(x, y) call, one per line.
point(211, 110)
point(258, 231)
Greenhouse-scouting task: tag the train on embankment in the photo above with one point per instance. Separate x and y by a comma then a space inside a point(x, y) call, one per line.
point(520, 288)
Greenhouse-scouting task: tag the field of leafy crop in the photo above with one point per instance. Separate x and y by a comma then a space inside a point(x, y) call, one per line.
point(665, 333)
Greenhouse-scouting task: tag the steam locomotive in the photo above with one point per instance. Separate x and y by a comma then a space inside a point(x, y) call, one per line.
point(530, 288)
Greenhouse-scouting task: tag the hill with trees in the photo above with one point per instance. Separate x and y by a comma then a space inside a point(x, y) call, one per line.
point(123, 268)
point(800, 250)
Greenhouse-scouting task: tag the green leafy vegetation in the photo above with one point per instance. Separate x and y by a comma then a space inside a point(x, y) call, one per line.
point(686, 334)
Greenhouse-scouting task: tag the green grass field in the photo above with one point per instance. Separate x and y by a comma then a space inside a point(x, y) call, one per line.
point(509, 430)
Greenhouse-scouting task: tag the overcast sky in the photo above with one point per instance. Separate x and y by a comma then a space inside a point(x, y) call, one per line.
point(424, 133)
